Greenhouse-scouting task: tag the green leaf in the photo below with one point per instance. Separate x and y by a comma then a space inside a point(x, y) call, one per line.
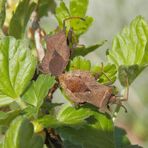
point(48, 106)
point(2, 12)
point(133, 146)
point(7, 117)
point(68, 116)
point(5, 100)
point(20, 18)
point(99, 132)
point(78, 8)
point(106, 74)
point(68, 144)
point(30, 111)
point(122, 140)
point(130, 47)
point(38, 90)
point(44, 6)
point(17, 66)
point(97, 129)
point(129, 72)
point(49, 121)
point(20, 135)
point(83, 51)
point(62, 12)
point(71, 116)
point(79, 26)
point(79, 63)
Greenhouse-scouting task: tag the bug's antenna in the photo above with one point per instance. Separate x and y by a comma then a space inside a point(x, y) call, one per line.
point(121, 105)
point(70, 18)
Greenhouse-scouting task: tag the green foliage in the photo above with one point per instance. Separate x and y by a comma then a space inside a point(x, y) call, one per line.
point(67, 116)
point(17, 66)
point(83, 51)
point(49, 121)
point(92, 134)
point(36, 110)
point(20, 18)
point(62, 12)
point(79, 63)
point(121, 139)
point(104, 74)
point(130, 48)
point(30, 111)
point(71, 116)
point(7, 117)
point(76, 127)
point(2, 12)
point(129, 72)
point(38, 90)
point(44, 6)
point(20, 135)
point(131, 41)
point(76, 9)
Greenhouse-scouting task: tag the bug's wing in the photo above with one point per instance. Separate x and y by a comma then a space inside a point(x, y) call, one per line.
point(57, 64)
point(57, 54)
point(73, 86)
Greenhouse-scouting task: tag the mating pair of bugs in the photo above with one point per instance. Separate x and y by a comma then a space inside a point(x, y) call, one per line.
point(80, 86)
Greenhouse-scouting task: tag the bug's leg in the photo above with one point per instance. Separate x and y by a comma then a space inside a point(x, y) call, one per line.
point(102, 72)
point(116, 100)
point(119, 104)
point(71, 40)
point(69, 36)
point(39, 69)
point(126, 94)
point(119, 101)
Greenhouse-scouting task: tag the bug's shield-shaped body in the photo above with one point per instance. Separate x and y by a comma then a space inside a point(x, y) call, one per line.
point(81, 87)
point(57, 54)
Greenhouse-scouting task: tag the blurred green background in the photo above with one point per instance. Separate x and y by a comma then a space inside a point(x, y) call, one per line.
point(110, 16)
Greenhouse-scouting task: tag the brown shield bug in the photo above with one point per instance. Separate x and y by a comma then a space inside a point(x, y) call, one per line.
point(81, 87)
point(58, 51)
